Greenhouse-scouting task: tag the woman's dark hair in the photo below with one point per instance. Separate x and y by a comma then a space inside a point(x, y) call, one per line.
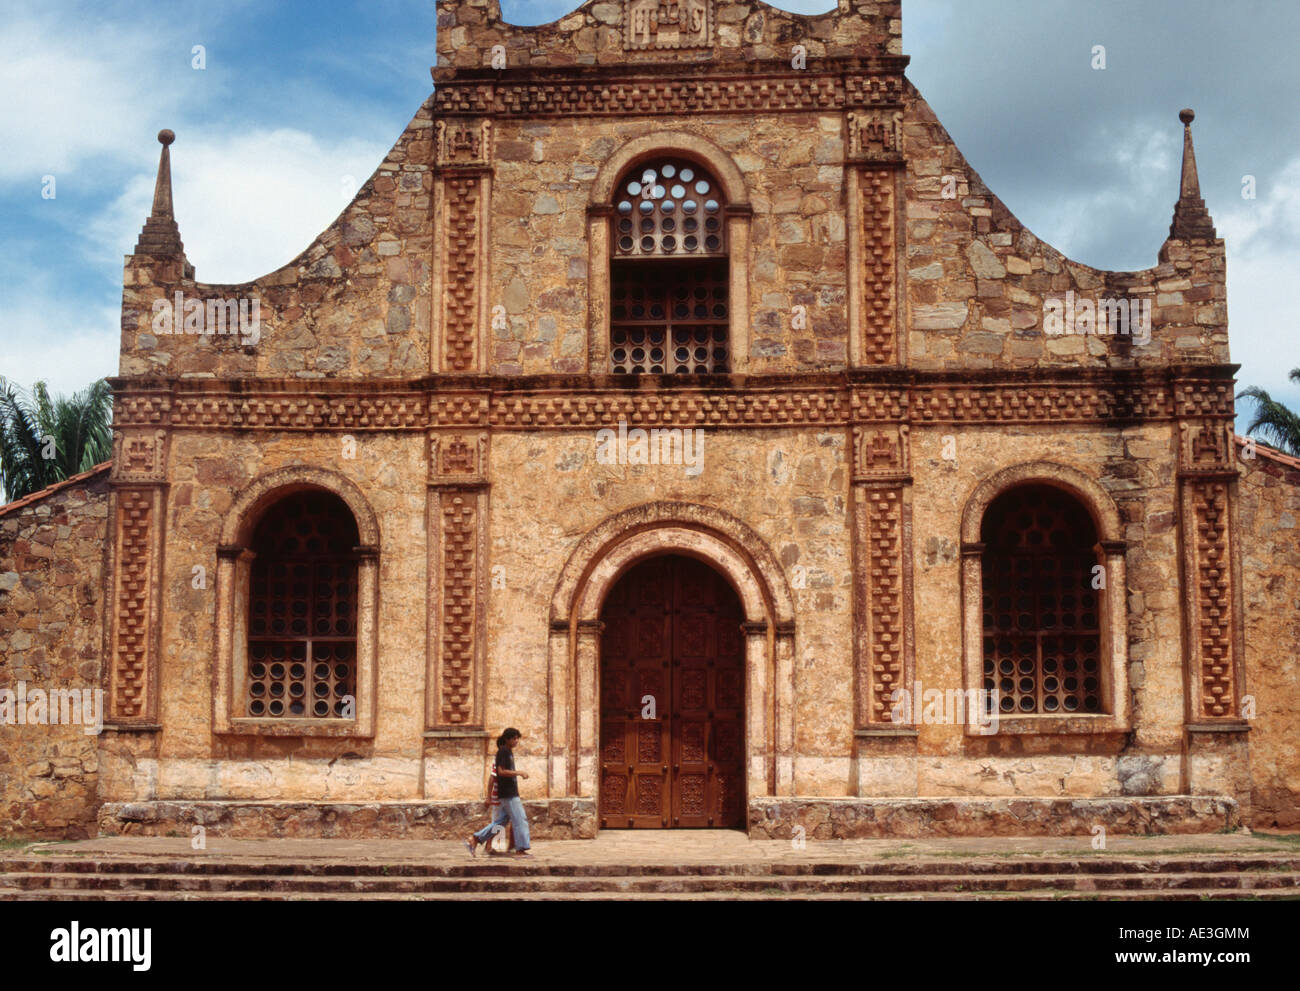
point(507, 736)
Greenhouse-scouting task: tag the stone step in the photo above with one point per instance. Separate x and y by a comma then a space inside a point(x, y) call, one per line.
point(510, 867)
point(701, 883)
point(1185, 894)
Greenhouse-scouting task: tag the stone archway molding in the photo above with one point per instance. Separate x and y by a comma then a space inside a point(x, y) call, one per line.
point(1100, 506)
point(710, 534)
point(257, 495)
point(664, 143)
point(599, 560)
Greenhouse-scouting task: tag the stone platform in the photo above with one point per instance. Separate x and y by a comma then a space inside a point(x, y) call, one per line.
point(769, 818)
point(695, 865)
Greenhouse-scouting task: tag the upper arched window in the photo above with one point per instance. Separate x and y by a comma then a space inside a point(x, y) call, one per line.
point(1042, 604)
point(302, 616)
point(669, 272)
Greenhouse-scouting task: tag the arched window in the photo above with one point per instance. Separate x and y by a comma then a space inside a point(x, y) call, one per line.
point(302, 616)
point(669, 272)
point(1042, 607)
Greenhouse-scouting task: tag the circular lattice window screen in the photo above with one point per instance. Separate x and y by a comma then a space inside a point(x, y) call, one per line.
point(669, 209)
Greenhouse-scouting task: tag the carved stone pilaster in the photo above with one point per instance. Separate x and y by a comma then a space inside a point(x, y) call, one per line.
point(462, 195)
point(456, 522)
point(1212, 599)
point(882, 598)
point(134, 607)
point(874, 289)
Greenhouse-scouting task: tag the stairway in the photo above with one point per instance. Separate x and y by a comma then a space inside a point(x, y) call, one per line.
point(64, 877)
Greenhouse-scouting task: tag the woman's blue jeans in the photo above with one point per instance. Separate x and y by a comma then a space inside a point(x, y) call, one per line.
point(510, 810)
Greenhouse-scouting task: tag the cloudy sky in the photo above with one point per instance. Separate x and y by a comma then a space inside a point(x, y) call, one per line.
point(298, 101)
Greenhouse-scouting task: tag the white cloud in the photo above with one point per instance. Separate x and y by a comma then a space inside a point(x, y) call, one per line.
point(1263, 239)
point(52, 336)
point(246, 202)
point(83, 94)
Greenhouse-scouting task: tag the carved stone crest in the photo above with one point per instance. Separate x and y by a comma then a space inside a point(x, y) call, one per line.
point(139, 456)
point(464, 142)
point(458, 457)
point(668, 24)
point(881, 452)
point(876, 135)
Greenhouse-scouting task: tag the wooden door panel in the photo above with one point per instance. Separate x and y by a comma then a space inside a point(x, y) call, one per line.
point(672, 633)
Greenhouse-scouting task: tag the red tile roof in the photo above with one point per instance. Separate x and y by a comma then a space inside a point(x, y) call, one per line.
point(1270, 454)
point(49, 490)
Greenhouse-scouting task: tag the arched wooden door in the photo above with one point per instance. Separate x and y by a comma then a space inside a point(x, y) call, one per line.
point(672, 737)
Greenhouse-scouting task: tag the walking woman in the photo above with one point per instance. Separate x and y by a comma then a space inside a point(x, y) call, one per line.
point(511, 809)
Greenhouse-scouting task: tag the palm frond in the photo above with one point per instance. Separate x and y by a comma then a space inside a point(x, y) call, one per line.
point(1275, 423)
point(77, 433)
point(22, 470)
point(85, 425)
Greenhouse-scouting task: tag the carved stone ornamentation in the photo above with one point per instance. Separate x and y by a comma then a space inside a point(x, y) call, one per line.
point(462, 246)
point(1213, 617)
point(796, 92)
point(458, 458)
point(879, 285)
point(875, 136)
point(1207, 446)
point(132, 620)
point(140, 456)
point(668, 24)
point(464, 142)
point(1002, 399)
point(881, 452)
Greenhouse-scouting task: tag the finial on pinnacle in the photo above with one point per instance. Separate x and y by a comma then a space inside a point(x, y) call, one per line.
point(161, 237)
point(1191, 219)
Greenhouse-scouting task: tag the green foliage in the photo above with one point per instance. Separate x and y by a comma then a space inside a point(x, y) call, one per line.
point(1277, 425)
point(46, 439)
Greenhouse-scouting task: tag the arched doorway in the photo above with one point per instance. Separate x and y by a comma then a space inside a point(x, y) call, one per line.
point(672, 670)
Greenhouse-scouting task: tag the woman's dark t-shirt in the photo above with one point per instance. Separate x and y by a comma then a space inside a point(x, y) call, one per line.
point(507, 787)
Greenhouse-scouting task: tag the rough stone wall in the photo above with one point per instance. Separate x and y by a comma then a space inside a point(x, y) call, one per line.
point(315, 323)
point(595, 33)
point(51, 638)
point(1269, 507)
point(793, 169)
point(977, 278)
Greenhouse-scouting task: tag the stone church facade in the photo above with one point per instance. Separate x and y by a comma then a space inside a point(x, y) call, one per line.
point(675, 392)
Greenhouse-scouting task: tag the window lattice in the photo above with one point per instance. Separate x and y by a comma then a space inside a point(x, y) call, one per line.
point(1042, 631)
point(303, 609)
point(669, 317)
point(668, 209)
